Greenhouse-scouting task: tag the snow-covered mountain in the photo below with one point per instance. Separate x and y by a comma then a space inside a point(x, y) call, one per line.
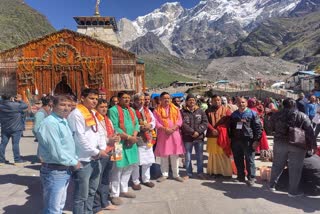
point(210, 25)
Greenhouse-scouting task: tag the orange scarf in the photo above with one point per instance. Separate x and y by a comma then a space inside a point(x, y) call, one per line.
point(173, 114)
point(88, 115)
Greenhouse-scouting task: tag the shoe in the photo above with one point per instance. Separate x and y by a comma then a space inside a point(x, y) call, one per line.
point(250, 182)
point(5, 162)
point(149, 184)
point(127, 195)
point(202, 176)
point(136, 187)
point(272, 189)
point(162, 178)
point(295, 195)
point(242, 180)
point(110, 207)
point(179, 179)
point(116, 201)
point(20, 163)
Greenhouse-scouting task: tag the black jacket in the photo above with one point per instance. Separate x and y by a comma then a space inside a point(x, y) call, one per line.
point(281, 121)
point(11, 116)
point(193, 121)
point(251, 125)
point(301, 105)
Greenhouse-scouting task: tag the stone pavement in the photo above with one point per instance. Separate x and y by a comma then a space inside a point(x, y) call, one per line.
point(20, 192)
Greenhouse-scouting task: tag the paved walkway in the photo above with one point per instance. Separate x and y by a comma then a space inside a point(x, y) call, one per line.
point(20, 192)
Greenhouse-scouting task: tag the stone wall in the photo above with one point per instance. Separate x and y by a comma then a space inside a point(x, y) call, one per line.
point(100, 32)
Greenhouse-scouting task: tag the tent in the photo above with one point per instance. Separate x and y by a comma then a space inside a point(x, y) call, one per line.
point(178, 94)
point(154, 95)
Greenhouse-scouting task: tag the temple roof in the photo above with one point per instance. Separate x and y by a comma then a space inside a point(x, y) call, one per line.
point(96, 21)
point(4, 52)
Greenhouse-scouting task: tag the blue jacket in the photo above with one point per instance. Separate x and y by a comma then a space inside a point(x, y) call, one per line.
point(311, 110)
point(251, 125)
point(11, 116)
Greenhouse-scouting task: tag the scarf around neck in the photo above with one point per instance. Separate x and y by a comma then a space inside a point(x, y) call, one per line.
point(173, 114)
point(121, 117)
point(88, 115)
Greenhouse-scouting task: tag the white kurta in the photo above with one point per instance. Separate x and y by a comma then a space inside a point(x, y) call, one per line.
point(146, 155)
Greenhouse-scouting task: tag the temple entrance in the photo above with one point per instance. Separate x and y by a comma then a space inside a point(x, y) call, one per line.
point(61, 70)
point(63, 87)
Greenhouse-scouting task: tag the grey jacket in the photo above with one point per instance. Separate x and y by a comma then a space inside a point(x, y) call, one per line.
point(193, 121)
point(281, 121)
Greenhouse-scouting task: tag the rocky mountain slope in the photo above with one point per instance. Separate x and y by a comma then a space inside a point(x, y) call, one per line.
point(246, 68)
point(149, 43)
point(210, 25)
point(20, 23)
point(294, 39)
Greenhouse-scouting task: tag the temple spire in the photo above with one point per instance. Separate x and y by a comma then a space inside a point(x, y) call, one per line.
point(97, 13)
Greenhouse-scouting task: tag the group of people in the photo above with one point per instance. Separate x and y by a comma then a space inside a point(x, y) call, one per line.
point(102, 146)
point(83, 142)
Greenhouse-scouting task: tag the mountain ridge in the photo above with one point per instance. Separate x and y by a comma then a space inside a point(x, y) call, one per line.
point(210, 25)
point(20, 23)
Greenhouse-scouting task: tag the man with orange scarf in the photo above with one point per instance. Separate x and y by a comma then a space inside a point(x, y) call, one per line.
point(169, 141)
point(125, 122)
point(218, 146)
point(90, 147)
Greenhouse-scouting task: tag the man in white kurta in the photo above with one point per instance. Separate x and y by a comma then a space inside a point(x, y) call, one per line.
point(146, 156)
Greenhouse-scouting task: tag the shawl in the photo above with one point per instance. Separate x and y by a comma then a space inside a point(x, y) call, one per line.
point(217, 116)
point(88, 115)
point(173, 114)
point(223, 140)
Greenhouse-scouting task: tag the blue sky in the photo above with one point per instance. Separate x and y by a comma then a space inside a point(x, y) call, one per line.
point(60, 13)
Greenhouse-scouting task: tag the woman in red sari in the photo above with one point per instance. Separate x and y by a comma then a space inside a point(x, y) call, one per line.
point(263, 145)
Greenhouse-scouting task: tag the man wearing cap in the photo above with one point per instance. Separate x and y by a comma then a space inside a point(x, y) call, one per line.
point(194, 124)
point(102, 93)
